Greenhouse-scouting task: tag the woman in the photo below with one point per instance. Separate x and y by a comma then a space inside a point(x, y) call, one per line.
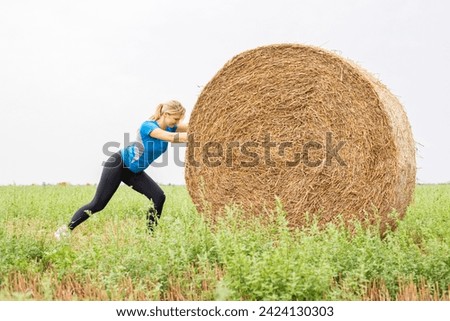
point(128, 165)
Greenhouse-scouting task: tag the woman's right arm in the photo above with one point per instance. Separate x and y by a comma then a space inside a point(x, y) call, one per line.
point(183, 127)
point(161, 134)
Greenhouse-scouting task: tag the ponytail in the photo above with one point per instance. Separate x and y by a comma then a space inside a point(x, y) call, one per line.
point(158, 113)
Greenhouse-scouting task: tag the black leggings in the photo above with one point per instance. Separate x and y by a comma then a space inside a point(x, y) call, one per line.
point(113, 173)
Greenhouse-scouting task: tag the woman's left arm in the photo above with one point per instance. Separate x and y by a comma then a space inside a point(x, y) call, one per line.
point(182, 128)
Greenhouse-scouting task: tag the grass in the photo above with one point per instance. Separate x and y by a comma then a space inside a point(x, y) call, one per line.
point(112, 257)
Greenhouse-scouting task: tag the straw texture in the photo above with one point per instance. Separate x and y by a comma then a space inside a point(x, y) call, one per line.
point(303, 125)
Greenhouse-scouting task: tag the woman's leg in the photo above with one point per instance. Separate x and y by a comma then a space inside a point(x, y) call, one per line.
point(109, 182)
point(144, 184)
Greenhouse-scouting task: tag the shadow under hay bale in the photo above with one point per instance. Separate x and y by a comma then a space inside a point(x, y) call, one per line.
point(304, 125)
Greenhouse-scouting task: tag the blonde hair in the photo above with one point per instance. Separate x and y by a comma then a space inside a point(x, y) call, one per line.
point(171, 107)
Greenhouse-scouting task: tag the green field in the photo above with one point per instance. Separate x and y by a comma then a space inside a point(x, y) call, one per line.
point(112, 257)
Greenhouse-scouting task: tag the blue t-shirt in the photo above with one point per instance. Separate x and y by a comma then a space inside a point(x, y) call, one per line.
point(141, 153)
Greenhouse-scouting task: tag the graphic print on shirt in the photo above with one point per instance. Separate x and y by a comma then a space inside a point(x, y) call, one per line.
point(138, 147)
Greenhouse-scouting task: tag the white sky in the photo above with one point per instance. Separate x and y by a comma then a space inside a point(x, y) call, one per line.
point(77, 74)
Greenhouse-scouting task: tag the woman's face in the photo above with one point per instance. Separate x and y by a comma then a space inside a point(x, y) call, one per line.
point(172, 119)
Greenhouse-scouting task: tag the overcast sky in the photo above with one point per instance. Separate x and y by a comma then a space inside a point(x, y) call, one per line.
point(75, 75)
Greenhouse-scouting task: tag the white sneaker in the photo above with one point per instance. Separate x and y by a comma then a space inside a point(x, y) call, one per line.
point(62, 233)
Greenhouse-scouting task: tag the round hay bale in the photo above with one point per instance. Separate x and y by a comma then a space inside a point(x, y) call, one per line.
point(304, 125)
